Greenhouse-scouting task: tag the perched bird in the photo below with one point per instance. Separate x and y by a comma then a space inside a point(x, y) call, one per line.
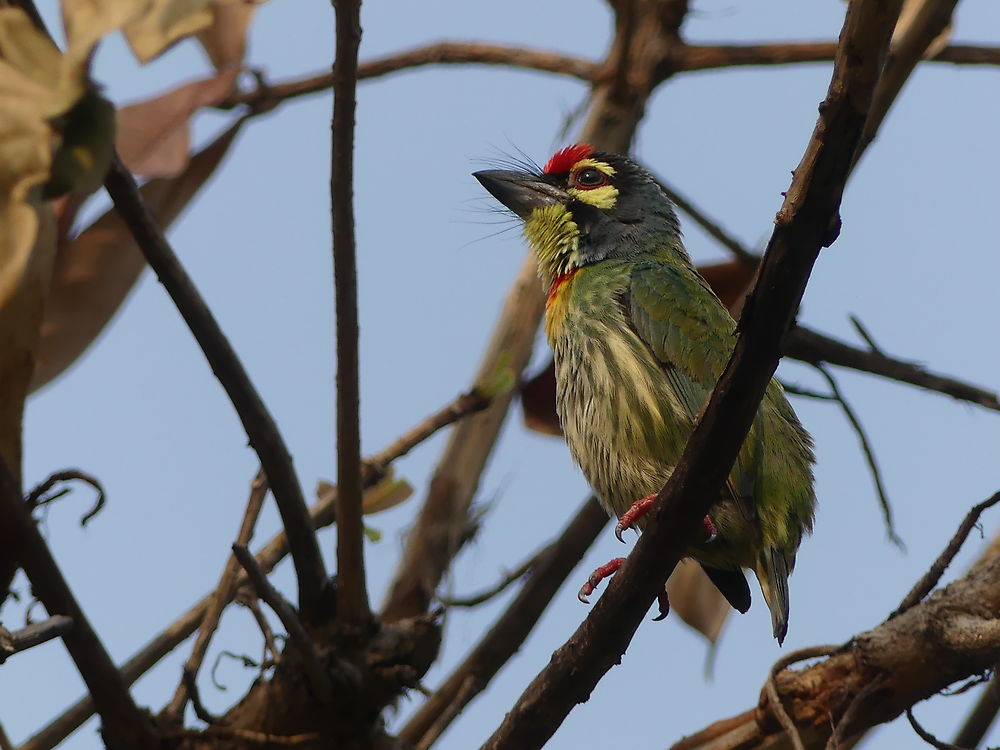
point(640, 340)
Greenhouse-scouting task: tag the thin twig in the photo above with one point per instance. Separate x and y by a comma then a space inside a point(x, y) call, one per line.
point(853, 708)
point(189, 679)
point(124, 724)
point(813, 347)
point(507, 635)
point(926, 736)
point(711, 227)
point(253, 413)
point(33, 635)
point(930, 579)
point(806, 222)
point(34, 498)
point(223, 594)
point(463, 405)
point(982, 715)
point(864, 334)
point(270, 645)
point(771, 688)
point(866, 448)
point(474, 600)
point(321, 516)
point(318, 679)
point(440, 53)
point(352, 605)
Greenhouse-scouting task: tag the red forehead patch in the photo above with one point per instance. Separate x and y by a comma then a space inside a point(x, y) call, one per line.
point(562, 161)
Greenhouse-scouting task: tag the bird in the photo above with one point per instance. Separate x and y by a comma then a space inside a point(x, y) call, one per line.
point(639, 340)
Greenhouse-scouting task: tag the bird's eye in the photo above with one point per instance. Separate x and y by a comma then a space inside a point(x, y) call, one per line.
point(589, 177)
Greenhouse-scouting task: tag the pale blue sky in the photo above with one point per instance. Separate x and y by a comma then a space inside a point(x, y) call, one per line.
point(916, 261)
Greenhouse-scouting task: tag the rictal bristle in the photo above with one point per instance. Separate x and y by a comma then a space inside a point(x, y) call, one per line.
point(562, 161)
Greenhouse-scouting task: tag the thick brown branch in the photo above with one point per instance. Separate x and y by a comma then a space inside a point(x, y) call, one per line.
point(504, 639)
point(814, 347)
point(123, 724)
point(223, 594)
point(953, 634)
point(709, 56)
point(32, 635)
point(257, 420)
point(352, 604)
point(806, 222)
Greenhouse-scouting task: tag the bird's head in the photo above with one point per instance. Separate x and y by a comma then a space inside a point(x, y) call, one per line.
point(586, 206)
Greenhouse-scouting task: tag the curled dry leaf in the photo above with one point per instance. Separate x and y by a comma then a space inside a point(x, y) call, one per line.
point(387, 493)
point(696, 600)
point(163, 23)
point(154, 136)
point(225, 39)
point(94, 272)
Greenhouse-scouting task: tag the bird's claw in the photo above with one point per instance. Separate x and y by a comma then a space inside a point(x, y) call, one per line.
point(636, 511)
point(713, 533)
point(605, 571)
point(662, 605)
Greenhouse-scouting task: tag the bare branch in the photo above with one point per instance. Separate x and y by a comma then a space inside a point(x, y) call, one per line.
point(814, 347)
point(321, 515)
point(982, 715)
point(254, 415)
point(32, 635)
point(771, 688)
point(474, 600)
point(709, 56)
point(318, 679)
point(224, 592)
point(35, 497)
point(439, 53)
point(930, 579)
point(807, 221)
point(189, 680)
point(866, 448)
point(352, 606)
point(926, 736)
point(123, 723)
point(504, 639)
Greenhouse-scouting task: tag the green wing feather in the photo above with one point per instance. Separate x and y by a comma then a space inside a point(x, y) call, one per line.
point(691, 334)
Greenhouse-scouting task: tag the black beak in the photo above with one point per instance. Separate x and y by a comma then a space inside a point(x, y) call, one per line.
point(519, 191)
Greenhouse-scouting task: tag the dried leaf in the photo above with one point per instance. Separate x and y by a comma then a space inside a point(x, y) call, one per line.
point(94, 272)
point(154, 136)
point(225, 39)
point(696, 600)
point(163, 23)
point(388, 493)
point(730, 281)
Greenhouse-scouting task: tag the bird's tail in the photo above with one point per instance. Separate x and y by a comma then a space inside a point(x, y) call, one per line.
point(772, 571)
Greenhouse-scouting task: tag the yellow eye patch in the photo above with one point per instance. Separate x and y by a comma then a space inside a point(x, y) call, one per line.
point(603, 197)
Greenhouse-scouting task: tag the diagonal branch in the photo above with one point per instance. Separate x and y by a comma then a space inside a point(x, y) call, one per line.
point(352, 594)
point(806, 222)
point(505, 638)
point(33, 635)
point(254, 415)
point(123, 724)
point(321, 515)
point(224, 593)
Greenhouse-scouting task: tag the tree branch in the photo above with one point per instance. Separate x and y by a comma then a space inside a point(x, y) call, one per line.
point(223, 595)
point(352, 605)
point(507, 635)
point(260, 427)
point(815, 348)
point(321, 515)
point(951, 635)
point(318, 679)
point(32, 635)
point(806, 222)
point(123, 724)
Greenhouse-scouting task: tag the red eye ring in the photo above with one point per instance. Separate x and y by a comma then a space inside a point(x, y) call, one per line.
point(588, 178)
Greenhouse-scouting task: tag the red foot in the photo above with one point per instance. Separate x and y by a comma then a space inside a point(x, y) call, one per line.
point(638, 509)
point(641, 507)
point(605, 571)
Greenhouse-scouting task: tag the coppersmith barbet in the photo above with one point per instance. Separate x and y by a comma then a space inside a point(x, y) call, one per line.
point(639, 340)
